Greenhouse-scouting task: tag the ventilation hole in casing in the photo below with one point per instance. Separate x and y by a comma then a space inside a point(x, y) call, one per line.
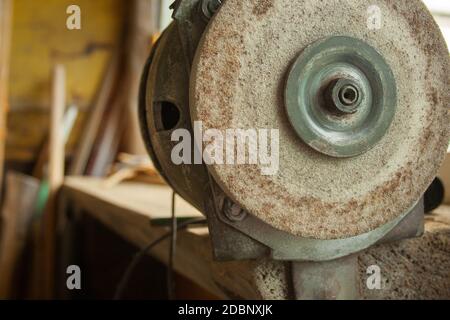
point(167, 115)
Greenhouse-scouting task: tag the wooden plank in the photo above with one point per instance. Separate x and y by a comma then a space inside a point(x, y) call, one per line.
point(69, 120)
point(122, 114)
point(57, 137)
point(116, 208)
point(87, 139)
point(17, 212)
point(108, 138)
point(6, 9)
point(55, 178)
point(134, 198)
point(144, 24)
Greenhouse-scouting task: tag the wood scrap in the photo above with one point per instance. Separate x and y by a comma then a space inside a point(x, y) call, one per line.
point(108, 139)
point(55, 179)
point(19, 207)
point(6, 10)
point(143, 26)
point(40, 172)
point(70, 117)
point(87, 140)
point(133, 167)
point(144, 173)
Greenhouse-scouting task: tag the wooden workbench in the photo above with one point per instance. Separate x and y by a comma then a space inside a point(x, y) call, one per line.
point(129, 209)
point(415, 268)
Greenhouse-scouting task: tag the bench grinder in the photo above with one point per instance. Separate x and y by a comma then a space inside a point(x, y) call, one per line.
point(359, 94)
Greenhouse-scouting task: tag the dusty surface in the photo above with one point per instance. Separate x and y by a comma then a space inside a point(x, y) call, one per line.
point(413, 269)
point(238, 83)
point(410, 269)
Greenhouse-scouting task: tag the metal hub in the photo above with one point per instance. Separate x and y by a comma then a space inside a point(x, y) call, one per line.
point(345, 96)
point(341, 96)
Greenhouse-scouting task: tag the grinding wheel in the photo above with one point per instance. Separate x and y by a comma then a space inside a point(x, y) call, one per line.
point(251, 61)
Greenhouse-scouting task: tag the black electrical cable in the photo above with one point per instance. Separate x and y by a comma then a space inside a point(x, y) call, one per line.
point(173, 245)
point(139, 255)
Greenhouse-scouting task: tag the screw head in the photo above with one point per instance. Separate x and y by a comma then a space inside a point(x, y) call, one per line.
point(233, 212)
point(210, 7)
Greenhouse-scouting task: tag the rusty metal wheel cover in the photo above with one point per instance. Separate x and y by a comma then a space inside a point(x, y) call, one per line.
point(238, 80)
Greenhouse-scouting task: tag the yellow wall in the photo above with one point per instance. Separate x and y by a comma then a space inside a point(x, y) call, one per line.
point(41, 39)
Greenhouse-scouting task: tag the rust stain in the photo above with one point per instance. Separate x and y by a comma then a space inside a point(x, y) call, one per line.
point(327, 210)
point(262, 7)
point(422, 28)
point(216, 81)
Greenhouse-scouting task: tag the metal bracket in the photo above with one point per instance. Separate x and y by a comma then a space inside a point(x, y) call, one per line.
point(331, 280)
point(288, 247)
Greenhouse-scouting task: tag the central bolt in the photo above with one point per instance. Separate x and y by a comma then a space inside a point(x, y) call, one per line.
point(348, 95)
point(344, 95)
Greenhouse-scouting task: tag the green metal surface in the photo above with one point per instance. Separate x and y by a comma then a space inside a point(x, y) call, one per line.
point(341, 96)
point(287, 247)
